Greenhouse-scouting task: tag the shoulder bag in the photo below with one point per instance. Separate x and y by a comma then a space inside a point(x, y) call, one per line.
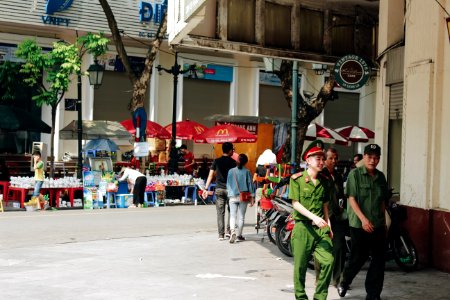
point(243, 196)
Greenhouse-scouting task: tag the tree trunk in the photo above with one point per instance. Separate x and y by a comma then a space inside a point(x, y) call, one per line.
point(117, 39)
point(307, 111)
point(52, 142)
point(140, 84)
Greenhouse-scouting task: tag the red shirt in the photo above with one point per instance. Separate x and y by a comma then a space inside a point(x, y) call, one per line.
point(188, 159)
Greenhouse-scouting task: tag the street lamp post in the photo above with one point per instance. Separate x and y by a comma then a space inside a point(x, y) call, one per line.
point(95, 78)
point(175, 71)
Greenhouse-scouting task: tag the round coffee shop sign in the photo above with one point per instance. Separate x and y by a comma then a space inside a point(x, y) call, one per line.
point(351, 72)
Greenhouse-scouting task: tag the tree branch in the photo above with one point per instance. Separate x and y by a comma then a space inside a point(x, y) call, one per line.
point(140, 86)
point(118, 39)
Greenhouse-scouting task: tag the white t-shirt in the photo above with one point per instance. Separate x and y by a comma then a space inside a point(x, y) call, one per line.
point(131, 174)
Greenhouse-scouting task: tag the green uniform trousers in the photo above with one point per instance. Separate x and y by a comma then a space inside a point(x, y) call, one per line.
point(307, 240)
point(340, 229)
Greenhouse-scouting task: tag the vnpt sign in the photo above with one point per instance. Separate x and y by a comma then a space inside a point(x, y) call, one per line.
point(54, 6)
point(149, 12)
point(57, 5)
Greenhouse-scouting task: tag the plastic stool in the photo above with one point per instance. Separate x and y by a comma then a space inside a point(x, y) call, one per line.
point(111, 196)
point(212, 187)
point(194, 192)
point(152, 195)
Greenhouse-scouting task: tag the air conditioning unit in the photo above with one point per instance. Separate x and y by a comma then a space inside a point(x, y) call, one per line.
point(41, 147)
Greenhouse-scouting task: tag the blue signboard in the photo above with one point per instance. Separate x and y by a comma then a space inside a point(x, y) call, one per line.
point(149, 11)
point(57, 5)
point(210, 72)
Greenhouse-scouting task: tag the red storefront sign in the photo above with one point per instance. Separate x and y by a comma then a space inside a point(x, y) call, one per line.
point(251, 127)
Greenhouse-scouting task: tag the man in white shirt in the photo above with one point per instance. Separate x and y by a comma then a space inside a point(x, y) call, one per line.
point(139, 182)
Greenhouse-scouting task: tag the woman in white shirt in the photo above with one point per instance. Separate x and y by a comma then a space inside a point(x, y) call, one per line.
point(139, 181)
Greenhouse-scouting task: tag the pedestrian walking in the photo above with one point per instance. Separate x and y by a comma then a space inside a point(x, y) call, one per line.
point(310, 192)
point(337, 214)
point(139, 182)
point(239, 180)
point(220, 168)
point(38, 166)
point(367, 192)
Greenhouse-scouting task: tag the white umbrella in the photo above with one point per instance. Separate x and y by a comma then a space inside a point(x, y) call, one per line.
point(325, 134)
point(356, 133)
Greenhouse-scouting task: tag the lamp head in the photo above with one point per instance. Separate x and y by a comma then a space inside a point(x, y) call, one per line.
point(96, 74)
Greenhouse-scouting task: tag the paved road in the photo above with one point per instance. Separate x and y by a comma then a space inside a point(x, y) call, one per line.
point(159, 253)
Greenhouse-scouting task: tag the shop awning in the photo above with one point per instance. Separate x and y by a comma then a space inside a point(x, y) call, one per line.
point(95, 130)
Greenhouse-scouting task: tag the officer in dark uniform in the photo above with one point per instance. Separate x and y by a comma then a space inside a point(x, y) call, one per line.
point(338, 214)
point(310, 193)
point(367, 192)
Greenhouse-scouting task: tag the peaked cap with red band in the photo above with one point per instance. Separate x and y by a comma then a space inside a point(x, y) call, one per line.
point(316, 147)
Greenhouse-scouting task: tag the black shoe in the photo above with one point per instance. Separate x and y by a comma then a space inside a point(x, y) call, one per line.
point(373, 297)
point(241, 238)
point(342, 289)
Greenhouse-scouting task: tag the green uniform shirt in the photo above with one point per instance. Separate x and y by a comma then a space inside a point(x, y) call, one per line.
point(312, 197)
point(369, 192)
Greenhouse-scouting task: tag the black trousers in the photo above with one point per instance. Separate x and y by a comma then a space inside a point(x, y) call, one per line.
point(340, 229)
point(363, 245)
point(139, 190)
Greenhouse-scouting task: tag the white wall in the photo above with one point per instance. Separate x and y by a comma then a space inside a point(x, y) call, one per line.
point(424, 178)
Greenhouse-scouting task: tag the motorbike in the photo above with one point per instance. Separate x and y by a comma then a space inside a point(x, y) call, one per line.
point(268, 214)
point(399, 245)
point(283, 225)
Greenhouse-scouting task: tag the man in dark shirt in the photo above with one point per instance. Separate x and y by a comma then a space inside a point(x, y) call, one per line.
point(220, 168)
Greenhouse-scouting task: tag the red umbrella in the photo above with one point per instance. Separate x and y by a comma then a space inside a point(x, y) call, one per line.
point(187, 130)
point(356, 133)
point(225, 133)
point(153, 130)
point(325, 134)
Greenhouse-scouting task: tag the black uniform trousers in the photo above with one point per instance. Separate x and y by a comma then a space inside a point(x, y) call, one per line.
point(363, 245)
point(139, 190)
point(340, 230)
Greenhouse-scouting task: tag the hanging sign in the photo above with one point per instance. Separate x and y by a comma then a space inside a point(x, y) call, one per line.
point(351, 72)
point(141, 149)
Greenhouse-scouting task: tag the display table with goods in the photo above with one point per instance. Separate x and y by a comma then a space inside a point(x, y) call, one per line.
point(159, 185)
point(21, 188)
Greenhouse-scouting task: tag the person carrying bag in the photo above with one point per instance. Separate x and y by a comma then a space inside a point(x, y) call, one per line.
point(239, 177)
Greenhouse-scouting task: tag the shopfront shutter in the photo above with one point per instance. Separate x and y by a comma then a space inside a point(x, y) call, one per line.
point(396, 101)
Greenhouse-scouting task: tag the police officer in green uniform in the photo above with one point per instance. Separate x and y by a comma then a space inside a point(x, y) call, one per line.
point(310, 193)
point(367, 192)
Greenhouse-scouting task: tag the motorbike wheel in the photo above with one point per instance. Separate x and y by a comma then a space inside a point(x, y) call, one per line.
point(271, 233)
point(405, 253)
point(280, 234)
point(258, 221)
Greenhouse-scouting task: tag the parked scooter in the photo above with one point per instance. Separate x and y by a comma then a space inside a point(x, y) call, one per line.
point(268, 214)
point(399, 245)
